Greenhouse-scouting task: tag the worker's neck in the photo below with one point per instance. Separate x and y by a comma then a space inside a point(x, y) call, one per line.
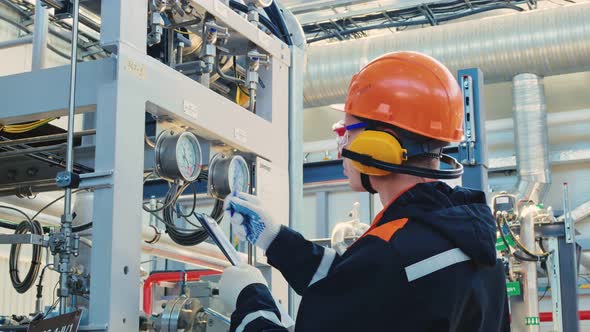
point(393, 185)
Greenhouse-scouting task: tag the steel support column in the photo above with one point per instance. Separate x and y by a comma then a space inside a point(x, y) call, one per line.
point(473, 150)
point(116, 234)
point(126, 24)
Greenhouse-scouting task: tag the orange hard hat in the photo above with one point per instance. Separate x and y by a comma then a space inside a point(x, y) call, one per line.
point(411, 91)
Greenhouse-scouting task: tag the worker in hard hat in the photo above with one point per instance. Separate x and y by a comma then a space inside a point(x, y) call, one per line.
point(427, 262)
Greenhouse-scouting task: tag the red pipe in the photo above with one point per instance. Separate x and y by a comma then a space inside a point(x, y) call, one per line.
point(548, 316)
point(157, 277)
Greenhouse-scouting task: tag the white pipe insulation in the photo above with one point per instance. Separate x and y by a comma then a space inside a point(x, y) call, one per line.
point(204, 254)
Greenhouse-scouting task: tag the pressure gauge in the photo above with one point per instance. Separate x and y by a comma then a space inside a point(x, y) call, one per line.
point(228, 174)
point(178, 156)
point(504, 202)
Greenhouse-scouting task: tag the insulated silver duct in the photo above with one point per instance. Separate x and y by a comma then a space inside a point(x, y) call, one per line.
point(530, 135)
point(546, 42)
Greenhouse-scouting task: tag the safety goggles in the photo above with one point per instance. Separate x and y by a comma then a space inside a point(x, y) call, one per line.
point(343, 133)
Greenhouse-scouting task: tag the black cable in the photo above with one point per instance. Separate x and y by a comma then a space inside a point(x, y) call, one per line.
point(183, 238)
point(81, 228)
point(180, 214)
point(265, 21)
point(527, 258)
point(540, 257)
point(167, 204)
point(40, 284)
point(17, 210)
point(217, 212)
point(52, 307)
point(13, 226)
point(19, 285)
point(192, 237)
point(54, 201)
point(276, 17)
point(8, 225)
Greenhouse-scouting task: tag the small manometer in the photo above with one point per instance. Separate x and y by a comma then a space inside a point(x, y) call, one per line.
point(228, 174)
point(504, 202)
point(178, 156)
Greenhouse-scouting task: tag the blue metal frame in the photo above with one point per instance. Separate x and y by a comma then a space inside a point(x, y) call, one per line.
point(322, 171)
point(473, 150)
point(159, 188)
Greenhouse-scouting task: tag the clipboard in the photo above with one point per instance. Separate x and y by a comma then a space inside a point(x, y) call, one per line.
point(219, 238)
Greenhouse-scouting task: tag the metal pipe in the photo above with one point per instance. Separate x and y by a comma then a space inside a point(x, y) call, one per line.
point(46, 138)
point(16, 42)
point(40, 36)
point(27, 188)
point(72, 104)
point(66, 229)
point(204, 254)
point(250, 254)
point(10, 154)
point(170, 48)
point(529, 271)
point(546, 42)
point(220, 72)
point(530, 134)
point(179, 50)
point(252, 93)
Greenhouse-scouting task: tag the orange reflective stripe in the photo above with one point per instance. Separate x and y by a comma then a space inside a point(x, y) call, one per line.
point(386, 231)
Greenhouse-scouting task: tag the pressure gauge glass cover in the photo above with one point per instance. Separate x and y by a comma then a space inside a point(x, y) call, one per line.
point(228, 174)
point(178, 156)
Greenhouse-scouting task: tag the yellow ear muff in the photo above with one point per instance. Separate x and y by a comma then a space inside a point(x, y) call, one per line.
point(380, 145)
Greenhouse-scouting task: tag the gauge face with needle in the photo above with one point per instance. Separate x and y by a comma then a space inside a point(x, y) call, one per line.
point(238, 175)
point(186, 157)
point(178, 156)
point(228, 174)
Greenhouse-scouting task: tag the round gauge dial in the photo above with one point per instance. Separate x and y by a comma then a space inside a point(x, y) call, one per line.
point(178, 156)
point(188, 156)
point(228, 174)
point(238, 175)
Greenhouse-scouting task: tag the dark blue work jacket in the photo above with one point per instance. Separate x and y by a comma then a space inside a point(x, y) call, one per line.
point(428, 263)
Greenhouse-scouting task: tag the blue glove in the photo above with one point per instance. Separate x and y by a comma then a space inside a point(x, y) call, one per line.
point(250, 221)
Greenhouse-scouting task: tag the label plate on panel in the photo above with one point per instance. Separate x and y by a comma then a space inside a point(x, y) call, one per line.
point(135, 68)
point(190, 109)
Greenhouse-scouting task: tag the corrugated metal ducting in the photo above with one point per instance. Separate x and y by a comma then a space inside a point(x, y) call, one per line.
point(545, 42)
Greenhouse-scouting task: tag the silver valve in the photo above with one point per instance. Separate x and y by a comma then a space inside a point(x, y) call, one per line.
point(76, 245)
point(256, 58)
point(214, 32)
